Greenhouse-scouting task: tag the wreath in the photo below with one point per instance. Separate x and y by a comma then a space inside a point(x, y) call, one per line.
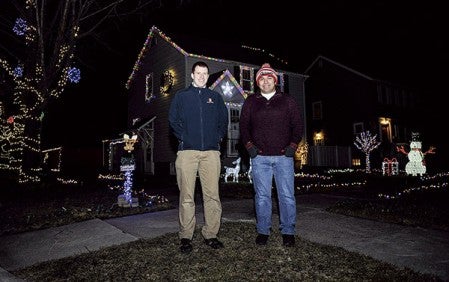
point(167, 81)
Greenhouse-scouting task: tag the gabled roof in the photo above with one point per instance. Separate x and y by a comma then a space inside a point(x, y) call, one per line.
point(247, 54)
point(320, 57)
point(227, 87)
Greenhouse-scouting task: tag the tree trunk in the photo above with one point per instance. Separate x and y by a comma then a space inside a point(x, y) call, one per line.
point(368, 166)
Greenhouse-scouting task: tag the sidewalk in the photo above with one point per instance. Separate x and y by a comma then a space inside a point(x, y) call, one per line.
point(422, 250)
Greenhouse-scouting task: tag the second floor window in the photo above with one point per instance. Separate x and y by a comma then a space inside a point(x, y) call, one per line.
point(247, 79)
point(358, 128)
point(149, 87)
point(317, 110)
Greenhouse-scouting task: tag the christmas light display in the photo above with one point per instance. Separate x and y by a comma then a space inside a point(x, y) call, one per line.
point(229, 87)
point(49, 36)
point(20, 27)
point(390, 167)
point(74, 75)
point(167, 82)
point(285, 62)
point(416, 165)
point(128, 166)
point(301, 153)
point(366, 143)
point(18, 72)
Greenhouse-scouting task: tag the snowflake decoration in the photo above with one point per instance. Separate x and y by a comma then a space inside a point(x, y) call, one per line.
point(20, 27)
point(74, 75)
point(18, 71)
point(227, 89)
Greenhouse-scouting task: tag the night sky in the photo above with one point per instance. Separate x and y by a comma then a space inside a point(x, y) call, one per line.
point(404, 43)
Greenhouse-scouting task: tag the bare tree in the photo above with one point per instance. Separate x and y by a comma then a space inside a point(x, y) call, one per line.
point(366, 143)
point(38, 54)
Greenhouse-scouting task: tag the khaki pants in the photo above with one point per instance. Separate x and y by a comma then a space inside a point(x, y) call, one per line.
point(208, 165)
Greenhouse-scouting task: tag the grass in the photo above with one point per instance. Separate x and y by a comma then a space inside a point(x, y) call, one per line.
point(28, 208)
point(159, 259)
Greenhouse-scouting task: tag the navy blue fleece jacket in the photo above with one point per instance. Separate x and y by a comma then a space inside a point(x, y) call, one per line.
point(198, 117)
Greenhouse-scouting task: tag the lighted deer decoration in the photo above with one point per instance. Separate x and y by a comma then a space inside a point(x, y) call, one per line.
point(234, 171)
point(416, 164)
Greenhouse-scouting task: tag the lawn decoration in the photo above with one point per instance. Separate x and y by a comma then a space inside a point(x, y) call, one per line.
point(416, 164)
point(249, 173)
point(366, 143)
point(302, 153)
point(233, 171)
point(128, 166)
point(390, 166)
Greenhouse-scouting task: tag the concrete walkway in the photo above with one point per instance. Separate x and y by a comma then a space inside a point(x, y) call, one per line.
point(422, 250)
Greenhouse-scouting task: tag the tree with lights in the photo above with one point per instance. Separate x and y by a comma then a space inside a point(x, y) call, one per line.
point(366, 143)
point(39, 60)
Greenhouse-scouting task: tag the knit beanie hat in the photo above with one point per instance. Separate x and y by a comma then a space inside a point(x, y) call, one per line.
point(266, 69)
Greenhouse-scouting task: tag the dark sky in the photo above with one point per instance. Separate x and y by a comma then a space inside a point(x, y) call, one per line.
point(402, 42)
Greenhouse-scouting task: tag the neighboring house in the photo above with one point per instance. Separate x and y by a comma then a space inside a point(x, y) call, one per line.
point(342, 102)
point(163, 68)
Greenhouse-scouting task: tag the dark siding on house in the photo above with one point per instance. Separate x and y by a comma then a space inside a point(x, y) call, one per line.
point(157, 59)
point(164, 145)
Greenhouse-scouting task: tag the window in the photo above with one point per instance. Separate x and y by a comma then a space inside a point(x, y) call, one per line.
point(397, 97)
point(356, 162)
point(358, 127)
point(317, 110)
point(149, 87)
point(235, 115)
point(379, 93)
point(247, 79)
point(388, 95)
point(281, 82)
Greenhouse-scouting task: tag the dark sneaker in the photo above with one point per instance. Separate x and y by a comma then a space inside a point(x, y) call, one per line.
point(214, 243)
point(186, 246)
point(288, 240)
point(262, 239)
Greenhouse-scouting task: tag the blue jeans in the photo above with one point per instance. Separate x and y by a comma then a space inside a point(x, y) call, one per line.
point(282, 168)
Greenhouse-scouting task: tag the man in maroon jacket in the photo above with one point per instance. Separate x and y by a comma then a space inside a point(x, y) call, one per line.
point(271, 128)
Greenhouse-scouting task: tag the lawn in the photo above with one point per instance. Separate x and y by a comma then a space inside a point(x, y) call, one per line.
point(159, 259)
point(402, 199)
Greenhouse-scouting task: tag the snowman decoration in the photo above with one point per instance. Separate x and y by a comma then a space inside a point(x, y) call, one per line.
point(416, 164)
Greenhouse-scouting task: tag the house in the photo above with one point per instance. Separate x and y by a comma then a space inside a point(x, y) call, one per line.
point(342, 102)
point(162, 68)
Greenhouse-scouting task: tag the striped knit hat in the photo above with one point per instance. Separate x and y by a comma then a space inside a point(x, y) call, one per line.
point(266, 69)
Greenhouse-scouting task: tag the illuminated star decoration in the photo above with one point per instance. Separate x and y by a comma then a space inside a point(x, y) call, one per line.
point(20, 26)
point(18, 71)
point(74, 75)
point(227, 89)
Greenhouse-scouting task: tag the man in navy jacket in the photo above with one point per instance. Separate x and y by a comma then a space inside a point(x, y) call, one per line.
point(198, 117)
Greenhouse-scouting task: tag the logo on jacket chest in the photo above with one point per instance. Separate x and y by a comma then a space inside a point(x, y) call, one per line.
point(210, 101)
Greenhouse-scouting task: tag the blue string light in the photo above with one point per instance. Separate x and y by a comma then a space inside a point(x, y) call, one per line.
point(74, 75)
point(18, 71)
point(20, 27)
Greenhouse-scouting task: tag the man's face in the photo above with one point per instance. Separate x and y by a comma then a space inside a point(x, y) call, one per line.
point(266, 84)
point(200, 76)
